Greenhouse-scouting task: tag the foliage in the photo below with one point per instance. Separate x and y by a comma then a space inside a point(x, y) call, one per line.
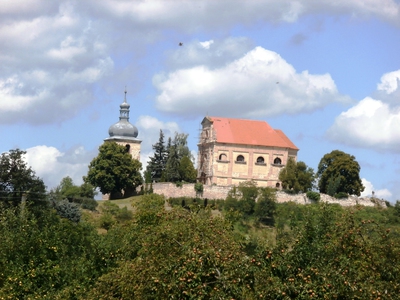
point(297, 176)
point(343, 168)
point(266, 205)
point(199, 188)
point(242, 198)
point(157, 163)
point(333, 185)
point(341, 195)
point(113, 214)
point(113, 170)
point(17, 179)
point(187, 171)
point(200, 259)
point(46, 257)
point(171, 172)
point(315, 196)
point(68, 210)
point(82, 195)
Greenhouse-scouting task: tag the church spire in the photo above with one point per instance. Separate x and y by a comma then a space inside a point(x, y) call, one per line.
point(124, 109)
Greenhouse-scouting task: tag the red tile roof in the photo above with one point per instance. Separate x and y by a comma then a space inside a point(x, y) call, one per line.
point(249, 132)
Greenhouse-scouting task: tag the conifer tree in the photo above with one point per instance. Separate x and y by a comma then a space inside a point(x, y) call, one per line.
point(157, 163)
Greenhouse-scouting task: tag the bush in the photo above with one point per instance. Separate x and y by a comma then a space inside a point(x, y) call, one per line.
point(341, 195)
point(315, 196)
point(89, 204)
point(198, 187)
point(68, 210)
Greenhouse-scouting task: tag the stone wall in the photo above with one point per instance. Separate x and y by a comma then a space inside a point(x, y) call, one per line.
point(221, 192)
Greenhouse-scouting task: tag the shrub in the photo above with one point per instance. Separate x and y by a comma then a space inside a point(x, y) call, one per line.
point(68, 210)
point(198, 187)
point(89, 204)
point(315, 196)
point(341, 195)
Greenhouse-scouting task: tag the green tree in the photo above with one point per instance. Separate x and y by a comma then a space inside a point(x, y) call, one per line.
point(297, 176)
point(114, 171)
point(187, 171)
point(342, 168)
point(17, 179)
point(158, 161)
point(171, 172)
point(266, 205)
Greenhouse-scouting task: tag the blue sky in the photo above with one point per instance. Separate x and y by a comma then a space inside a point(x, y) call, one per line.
point(325, 72)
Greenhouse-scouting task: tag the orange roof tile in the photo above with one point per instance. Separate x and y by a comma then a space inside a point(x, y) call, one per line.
point(249, 132)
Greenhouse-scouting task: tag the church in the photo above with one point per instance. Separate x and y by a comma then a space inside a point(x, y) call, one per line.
point(229, 151)
point(234, 150)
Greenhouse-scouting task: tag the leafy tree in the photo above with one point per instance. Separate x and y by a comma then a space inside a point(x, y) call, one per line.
point(158, 161)
point(17, 178)
point(171, 173)
point(181, 147)
point(297, 176)
point(187, 171)
point(114, 171)
point(343, 168)
point(266, 205)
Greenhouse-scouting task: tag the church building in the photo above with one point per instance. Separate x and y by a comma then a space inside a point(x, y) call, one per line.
point(124, 133)
point(236, 150)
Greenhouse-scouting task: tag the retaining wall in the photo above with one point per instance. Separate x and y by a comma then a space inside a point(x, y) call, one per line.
point(170, 190)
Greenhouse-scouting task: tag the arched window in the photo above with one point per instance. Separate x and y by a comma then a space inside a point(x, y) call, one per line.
point(260, 160)
point(277, 161)
point(240, 158)
point(223, 157)
point(278, 185)
point(127, 148)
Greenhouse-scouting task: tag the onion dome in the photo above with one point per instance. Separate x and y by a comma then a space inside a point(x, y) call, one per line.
point(123, 129)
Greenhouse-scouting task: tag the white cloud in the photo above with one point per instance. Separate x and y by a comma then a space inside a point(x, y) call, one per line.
point(390, 82)
point(369, 124)
point(52, 165)
point(260, 83)
point(55, 48)
point(369, 188)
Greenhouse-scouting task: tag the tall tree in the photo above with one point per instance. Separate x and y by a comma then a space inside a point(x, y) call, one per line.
point(171, 173)
point(158, 161)
point(17, 178)
point(187, 171)
point(297, 176)
point(114, 170)
point(342, 168)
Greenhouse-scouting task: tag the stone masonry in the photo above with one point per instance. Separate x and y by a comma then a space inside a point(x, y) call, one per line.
point(170, 190)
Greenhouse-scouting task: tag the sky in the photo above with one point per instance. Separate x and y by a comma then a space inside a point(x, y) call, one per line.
point(327, 73)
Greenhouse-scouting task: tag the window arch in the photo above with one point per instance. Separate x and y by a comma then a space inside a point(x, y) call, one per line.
point(240, 158)
point(260, 160)
point(223, 157)
point(127, 148)
point(277, 185)
point(277, 161)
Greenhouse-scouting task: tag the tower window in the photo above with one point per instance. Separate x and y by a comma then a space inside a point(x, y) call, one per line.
point(127, 148)
point(277, 161)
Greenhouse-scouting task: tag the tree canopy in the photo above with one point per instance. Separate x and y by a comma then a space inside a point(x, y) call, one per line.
point(17, 178)
point(341, 171)
point(114, 171)
point(297, 176)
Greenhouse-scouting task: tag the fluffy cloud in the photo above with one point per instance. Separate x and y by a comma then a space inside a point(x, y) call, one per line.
point(53, 54)
point(369, 188)
point(52, 165)
point(260, 83)
point(372, 123)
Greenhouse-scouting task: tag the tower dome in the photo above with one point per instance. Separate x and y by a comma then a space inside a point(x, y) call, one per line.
point(123, 129)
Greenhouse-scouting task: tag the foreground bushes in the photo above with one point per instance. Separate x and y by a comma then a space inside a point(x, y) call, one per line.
point(320, 251)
